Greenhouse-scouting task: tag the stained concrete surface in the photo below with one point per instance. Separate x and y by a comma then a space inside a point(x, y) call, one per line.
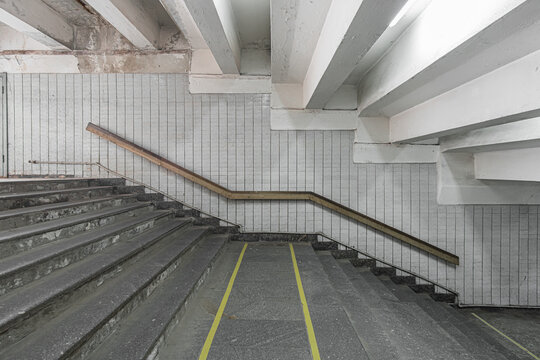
point(263, 318)
point(521, 325)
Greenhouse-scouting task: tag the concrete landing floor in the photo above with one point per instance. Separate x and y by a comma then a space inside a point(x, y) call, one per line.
point(520, 325)
point(263, 318)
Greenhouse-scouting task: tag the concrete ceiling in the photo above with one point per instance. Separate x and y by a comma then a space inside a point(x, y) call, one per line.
point(253, 22)
point(296, 26)
point(79, 13)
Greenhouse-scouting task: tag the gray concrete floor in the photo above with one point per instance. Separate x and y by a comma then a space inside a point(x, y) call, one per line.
point(521, 325)
point(263, 318)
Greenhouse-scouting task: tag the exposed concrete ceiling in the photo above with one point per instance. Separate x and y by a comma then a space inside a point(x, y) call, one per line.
point(296, 26)
point(79, 13)
point(253, 22)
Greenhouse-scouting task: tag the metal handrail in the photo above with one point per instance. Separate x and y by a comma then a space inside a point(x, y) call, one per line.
point(240, 226)
point(274, 195)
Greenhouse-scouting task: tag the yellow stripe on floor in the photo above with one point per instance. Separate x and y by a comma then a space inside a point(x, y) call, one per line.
point(206, 348)
point(307, 317)
point(506, 337)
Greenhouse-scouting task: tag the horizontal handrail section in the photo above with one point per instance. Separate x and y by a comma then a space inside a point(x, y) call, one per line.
point(274, 195)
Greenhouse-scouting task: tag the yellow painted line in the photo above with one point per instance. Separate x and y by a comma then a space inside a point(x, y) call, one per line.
point(506, 337)
point(206, 347)
point(307, 317)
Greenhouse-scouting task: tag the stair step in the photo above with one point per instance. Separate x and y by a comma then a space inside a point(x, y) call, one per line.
point(36, 214)
point(35, 184)
point(23, 268)
point(446, 316)
point(412, 330)
point(144, 329)
point(16, 240)
point(377, 270)
point(324, 245)
point(345, 254)
point(35, 198)
point(52, 291)
point(374, 337)
point(336, 335)
point(94, 317)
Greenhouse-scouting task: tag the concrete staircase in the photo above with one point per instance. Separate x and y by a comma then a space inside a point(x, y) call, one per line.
point(393, 321)
point(92, 268)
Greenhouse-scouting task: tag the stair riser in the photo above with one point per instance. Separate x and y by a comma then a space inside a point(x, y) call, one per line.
point(54, 198)
point(154, 352)
point(8, 248)
point(100, 334)
point(27, 275)
point(15, 187)
point(22, 326)
point(42, 216)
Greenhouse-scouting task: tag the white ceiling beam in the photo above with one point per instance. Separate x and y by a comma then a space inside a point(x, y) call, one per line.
point(132, 21)
point(457, 185)
point(217, 24)
point(451, 43)
point(295, 26)
point(510, 165)
point(518, 135)
point(179, 13)
point(38, 21)
point(508, 94)
point(350, 30)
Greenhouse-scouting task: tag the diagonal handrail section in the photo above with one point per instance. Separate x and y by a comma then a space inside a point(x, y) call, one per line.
point(274, 195)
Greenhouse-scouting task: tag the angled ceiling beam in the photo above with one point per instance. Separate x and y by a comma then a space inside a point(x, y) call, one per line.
point(449, 44)
point(508, 94)
point(139, 27)
point(179, 13)
point(512, 165)
point(217, 24)
point(38, 21)
point(350, 30)
point(518, 135)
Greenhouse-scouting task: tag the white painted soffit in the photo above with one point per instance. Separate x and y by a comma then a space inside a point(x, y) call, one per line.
point(38, 21)
point(451, 43)
point(229, 84)
point(517, 135)
point(508, 94)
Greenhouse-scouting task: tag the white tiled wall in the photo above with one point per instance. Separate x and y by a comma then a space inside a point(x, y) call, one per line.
point(227, 139)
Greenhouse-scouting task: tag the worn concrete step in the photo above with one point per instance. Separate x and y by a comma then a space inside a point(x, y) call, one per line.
point(336, 335)
point(36, 214)
point(28, 266)
point(78, 330)
point(442, 314)
point(35, 198)
point(413, 331)
point(376, 339)
point(32, 306)
point(324, 245)
point(144, 330)
point(40, 184)
point(16, 240)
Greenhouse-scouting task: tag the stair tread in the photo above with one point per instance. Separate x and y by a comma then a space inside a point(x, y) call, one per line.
point(441, 312)
point(54, 206)
point(68, 330)
point(374, 338)
point(39, 228)
point(140, 332)
point(328, 313)
point(50, 192)
point(41, 253)
point(27, 298)
point(408, 323)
